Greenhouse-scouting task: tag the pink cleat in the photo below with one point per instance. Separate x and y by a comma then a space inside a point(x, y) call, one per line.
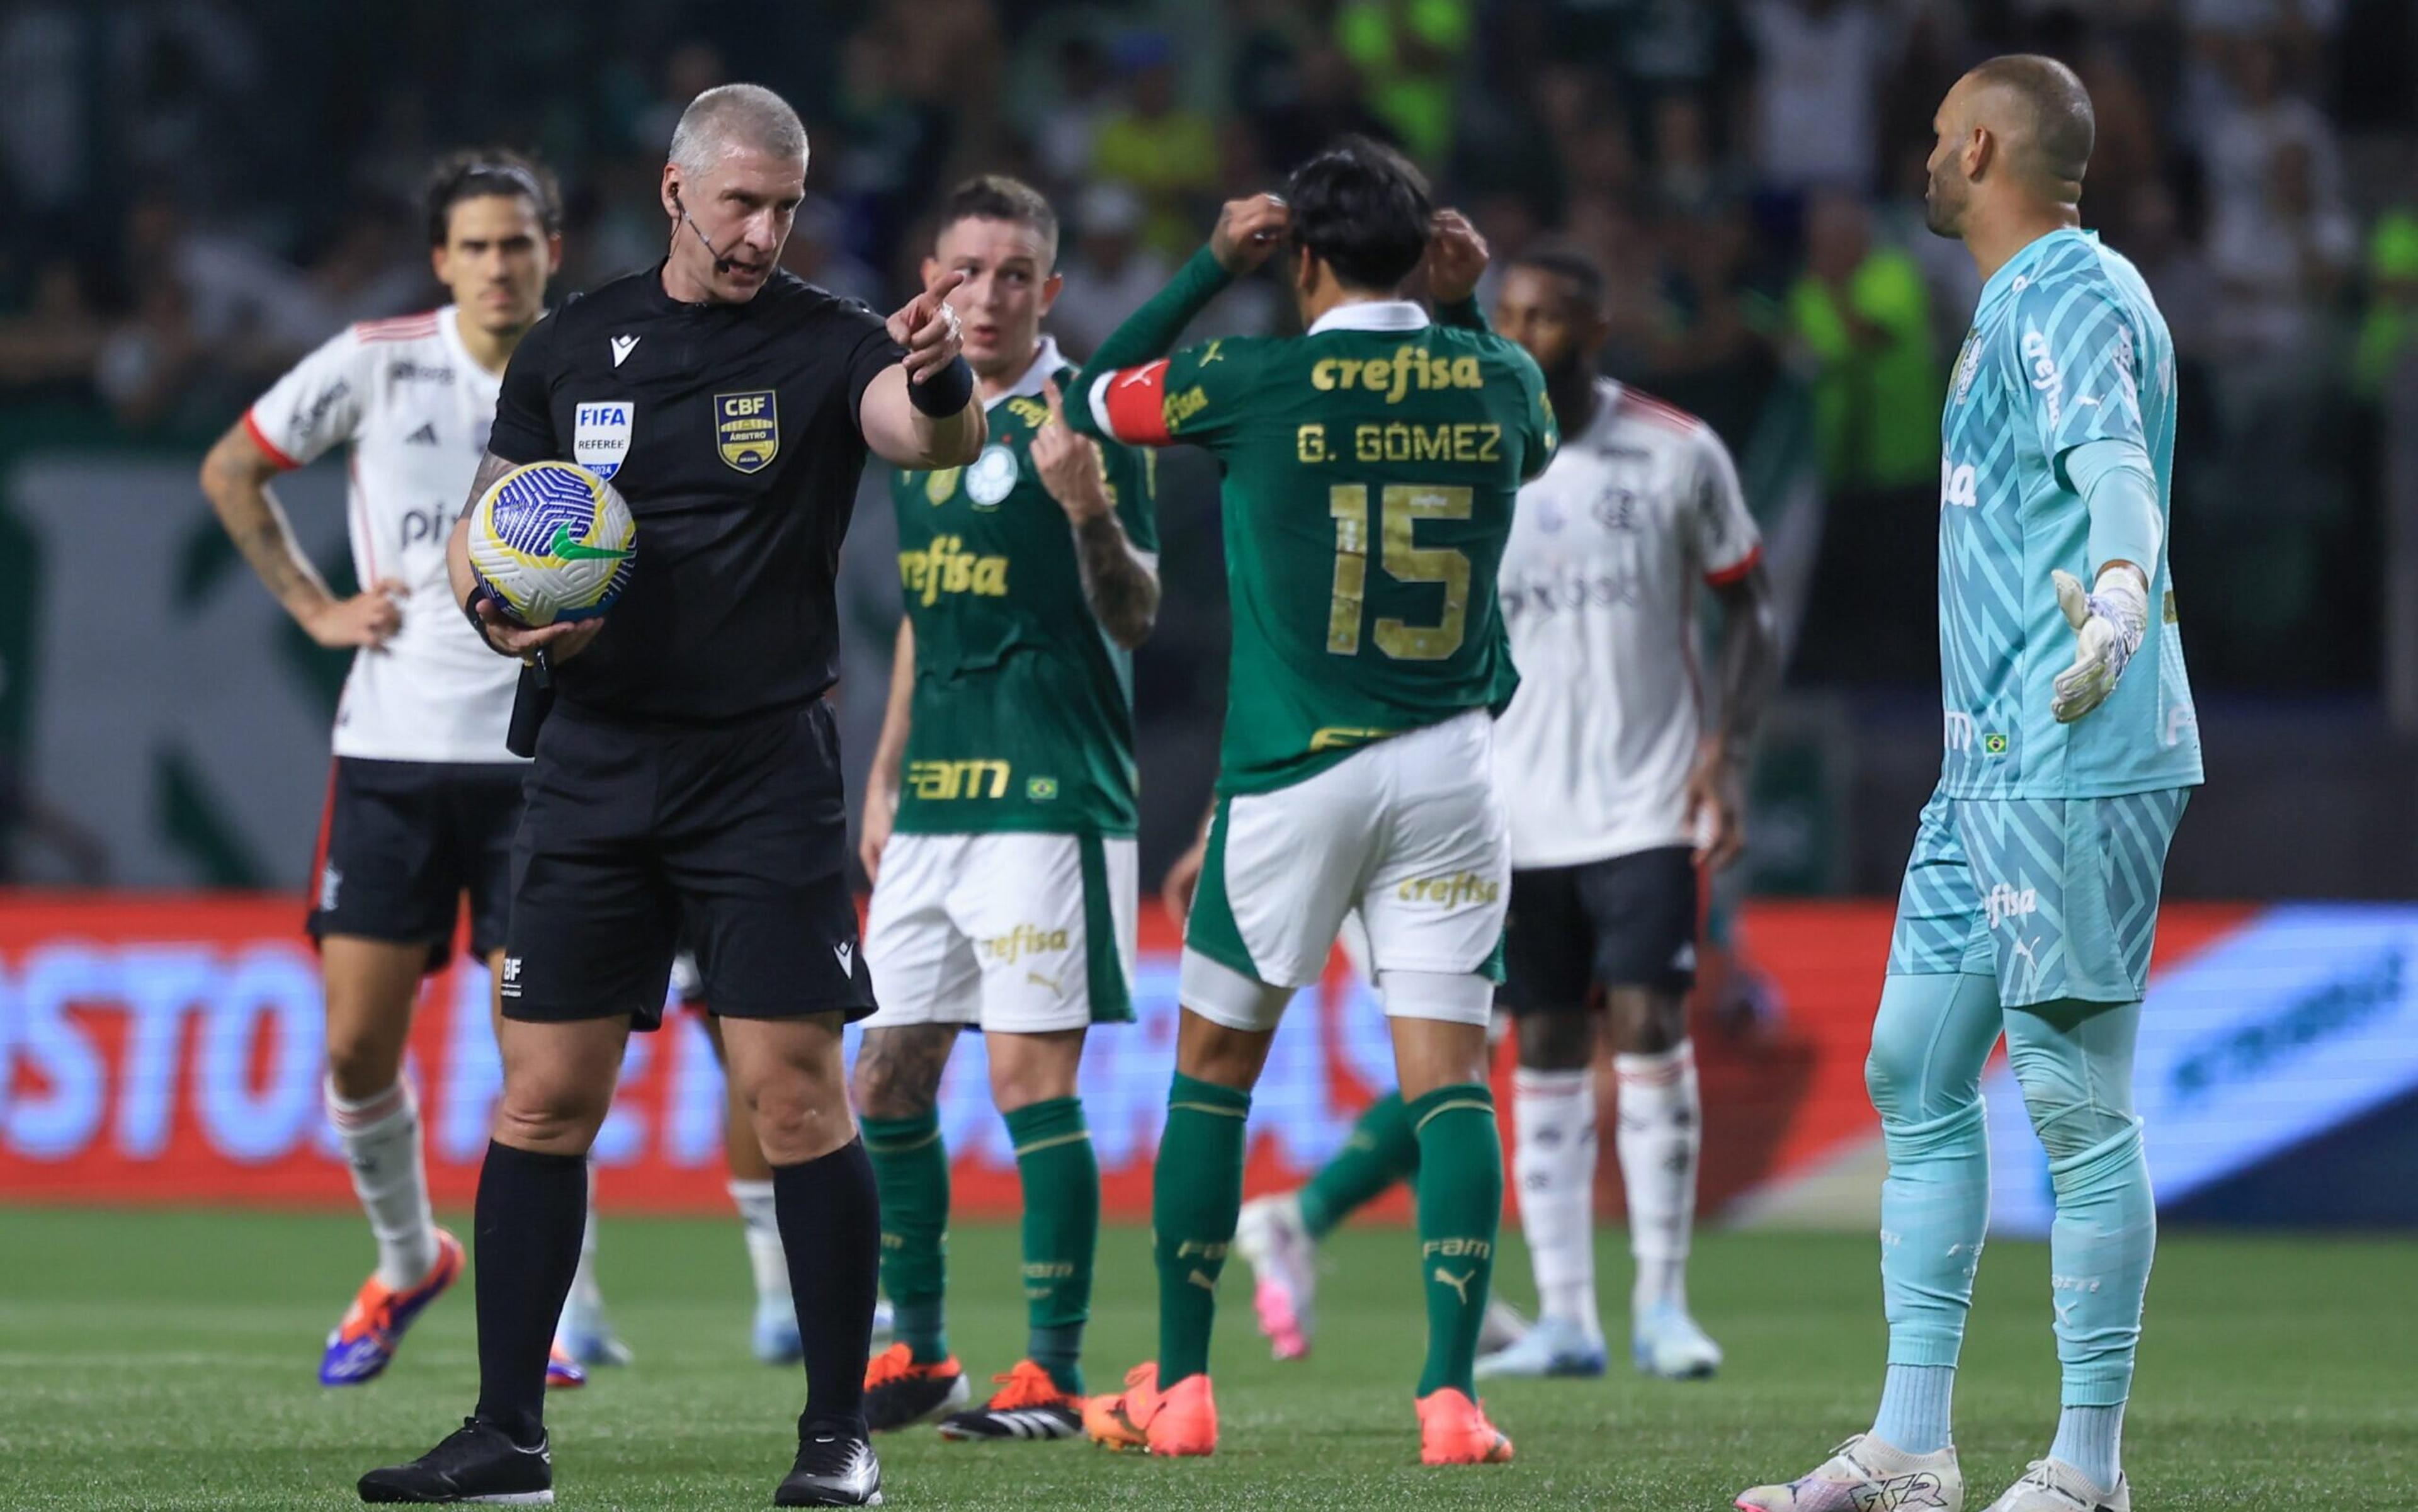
point(1286, 1338)
point(1284, 1260)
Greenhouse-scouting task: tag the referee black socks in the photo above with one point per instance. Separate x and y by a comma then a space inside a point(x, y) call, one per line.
point(831, 1231)
point(530, 1210)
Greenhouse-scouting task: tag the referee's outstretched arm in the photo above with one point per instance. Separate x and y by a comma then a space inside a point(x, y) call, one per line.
point(906, 416)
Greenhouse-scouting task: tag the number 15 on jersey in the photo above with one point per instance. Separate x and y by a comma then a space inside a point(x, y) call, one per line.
point(1399, 508)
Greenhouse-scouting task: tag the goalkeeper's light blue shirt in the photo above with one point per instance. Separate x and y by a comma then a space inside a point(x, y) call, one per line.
point(2066, 347)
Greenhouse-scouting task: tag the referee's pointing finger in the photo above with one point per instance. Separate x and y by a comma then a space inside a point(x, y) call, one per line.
point(920, 311)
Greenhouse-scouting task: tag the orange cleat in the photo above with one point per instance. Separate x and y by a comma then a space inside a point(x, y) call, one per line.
point(372, 1330)
point(562, 1372)
point(900, 1393)
point(1453, 1430)
point(1182, 1420)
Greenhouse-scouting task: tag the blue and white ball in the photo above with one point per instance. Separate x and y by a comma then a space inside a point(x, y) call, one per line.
point(553, 541)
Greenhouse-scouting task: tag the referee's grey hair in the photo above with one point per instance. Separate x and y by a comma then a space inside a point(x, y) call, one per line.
point(730, 117)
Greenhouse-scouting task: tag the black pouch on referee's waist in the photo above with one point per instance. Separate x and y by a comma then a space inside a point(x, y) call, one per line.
point(532, 702)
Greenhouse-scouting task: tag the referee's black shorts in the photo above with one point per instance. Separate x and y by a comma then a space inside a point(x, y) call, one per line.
point(638, 837)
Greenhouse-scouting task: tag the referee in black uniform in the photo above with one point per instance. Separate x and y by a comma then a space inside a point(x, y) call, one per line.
point(687, 779)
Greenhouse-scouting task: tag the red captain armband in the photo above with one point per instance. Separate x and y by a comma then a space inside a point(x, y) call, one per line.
point(1134, 407)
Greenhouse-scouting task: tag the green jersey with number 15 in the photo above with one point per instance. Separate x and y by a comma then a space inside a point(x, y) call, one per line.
point(1370, 469)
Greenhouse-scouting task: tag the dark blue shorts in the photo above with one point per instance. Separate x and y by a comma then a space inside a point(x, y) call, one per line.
point(404, 842)
point(1624, 922)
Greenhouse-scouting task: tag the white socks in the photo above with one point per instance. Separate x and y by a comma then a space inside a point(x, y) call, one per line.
point(764, 1253)
point(1553, 1162)
point(380, 1136)
point(1662, 1127)
point(586, 1298)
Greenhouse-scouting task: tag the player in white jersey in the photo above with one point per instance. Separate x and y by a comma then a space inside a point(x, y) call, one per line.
point(424, 796)
point(1616, 796)
point(1618, 793)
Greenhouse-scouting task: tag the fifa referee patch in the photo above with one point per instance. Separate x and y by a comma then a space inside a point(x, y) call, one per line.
point(747, 429)
point(600, 436)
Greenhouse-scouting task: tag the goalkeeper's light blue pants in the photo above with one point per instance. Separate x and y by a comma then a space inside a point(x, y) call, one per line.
point(2074, 1060)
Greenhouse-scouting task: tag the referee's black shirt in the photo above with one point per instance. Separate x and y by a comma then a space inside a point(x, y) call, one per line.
point(731, 431)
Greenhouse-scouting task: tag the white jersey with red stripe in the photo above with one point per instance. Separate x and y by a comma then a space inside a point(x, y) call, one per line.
point(1599, 590)
point(414, 407)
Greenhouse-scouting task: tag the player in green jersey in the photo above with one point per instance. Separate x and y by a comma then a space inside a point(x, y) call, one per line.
point(1370, 467)
point(998, 823)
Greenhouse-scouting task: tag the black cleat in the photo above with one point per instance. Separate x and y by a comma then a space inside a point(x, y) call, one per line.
point(1027, 1405)
point(835, 1468)
point(476, 1463)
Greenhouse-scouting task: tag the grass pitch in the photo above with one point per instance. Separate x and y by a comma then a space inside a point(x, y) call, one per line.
point(165, 1360)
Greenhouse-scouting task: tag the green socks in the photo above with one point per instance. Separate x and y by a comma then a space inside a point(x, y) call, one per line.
point(1460, 1205)
point(1382, 1151)
point(911, 1170)
point(1062, 1229)
point(1196, 1192)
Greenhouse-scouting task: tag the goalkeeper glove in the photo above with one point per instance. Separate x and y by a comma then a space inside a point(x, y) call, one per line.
point(2108, 619)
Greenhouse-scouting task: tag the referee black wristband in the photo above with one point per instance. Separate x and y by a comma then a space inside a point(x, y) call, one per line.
point(470, 611)
point(945, 392)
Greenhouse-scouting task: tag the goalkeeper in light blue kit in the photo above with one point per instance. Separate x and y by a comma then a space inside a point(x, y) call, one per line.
point(2032, 897)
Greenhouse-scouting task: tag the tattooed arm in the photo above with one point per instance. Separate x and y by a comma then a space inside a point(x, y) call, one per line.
point(1749, 671)
point(235, 476)
point(457, 543)
point(1118, 583)
point(505, 635)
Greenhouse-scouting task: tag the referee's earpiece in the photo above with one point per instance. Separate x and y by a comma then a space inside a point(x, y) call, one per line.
point(720, 264)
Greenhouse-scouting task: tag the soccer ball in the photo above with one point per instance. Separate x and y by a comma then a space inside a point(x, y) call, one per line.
point(552, 540)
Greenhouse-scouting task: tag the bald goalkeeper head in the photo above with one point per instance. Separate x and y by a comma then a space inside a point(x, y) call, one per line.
point(2015, 139)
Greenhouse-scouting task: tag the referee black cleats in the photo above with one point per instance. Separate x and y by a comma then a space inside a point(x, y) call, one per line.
point(835, 1468)
point(1027, 1405)
point(476, 1463)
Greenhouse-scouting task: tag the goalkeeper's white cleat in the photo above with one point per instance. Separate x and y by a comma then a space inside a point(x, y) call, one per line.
point(2054, 1485)
point(1864, 1475)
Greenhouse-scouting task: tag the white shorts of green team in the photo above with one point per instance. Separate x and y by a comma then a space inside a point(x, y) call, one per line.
point(1019, 933)
point(1409, 833)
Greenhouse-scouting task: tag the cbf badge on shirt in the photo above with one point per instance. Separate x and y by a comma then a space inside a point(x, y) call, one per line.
point(747, 428)
point(600, 436)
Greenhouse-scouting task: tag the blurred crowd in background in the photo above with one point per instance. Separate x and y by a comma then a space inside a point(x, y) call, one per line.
point(192, 192)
